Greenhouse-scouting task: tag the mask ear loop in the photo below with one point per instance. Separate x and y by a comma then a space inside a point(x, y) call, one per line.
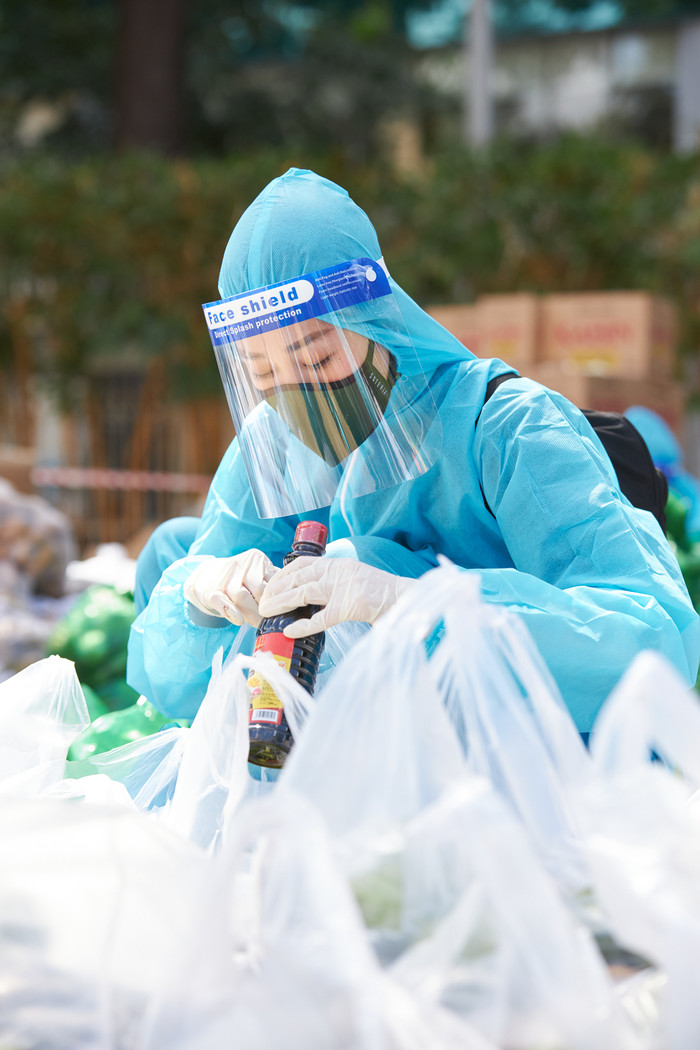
point(394, 374)
point(382, 385)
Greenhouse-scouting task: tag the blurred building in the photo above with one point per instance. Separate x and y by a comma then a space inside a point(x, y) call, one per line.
point(640, 79)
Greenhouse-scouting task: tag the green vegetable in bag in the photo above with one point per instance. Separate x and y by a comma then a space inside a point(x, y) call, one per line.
point(117, 695)
point(96, 708)
point(119, 727)
point(687, 552)
point(689, 562)
point(676, 515)
point(94, 635)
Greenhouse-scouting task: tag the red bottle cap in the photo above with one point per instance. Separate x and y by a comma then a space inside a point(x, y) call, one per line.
point(311, 532)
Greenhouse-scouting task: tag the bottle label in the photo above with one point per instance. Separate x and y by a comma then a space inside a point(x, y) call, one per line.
point(265, 705)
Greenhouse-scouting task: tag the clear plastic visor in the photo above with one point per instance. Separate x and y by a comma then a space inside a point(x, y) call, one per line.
point(316, 403)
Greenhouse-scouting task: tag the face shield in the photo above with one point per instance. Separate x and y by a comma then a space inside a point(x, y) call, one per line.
point(325, 389)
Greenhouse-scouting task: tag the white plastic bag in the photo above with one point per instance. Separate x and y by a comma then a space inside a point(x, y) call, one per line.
point(213, 776)
point(378, 746)
point(277, 955)
point(393, 726)
point(378, 749)
point(42, 710)
point(147, 768)
point(514, 725)
point(93, 901)
point(507, 955)
point(643, 831)
point(423, 760)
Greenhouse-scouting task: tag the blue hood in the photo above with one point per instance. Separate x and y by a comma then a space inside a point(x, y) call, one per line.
point(302, 222)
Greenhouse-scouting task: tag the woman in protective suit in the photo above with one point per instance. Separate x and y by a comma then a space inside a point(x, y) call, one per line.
point(353, 407)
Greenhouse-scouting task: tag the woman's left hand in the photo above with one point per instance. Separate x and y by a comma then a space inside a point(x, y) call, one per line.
point(347, 590)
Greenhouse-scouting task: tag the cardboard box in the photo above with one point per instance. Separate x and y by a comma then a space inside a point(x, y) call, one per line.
point(503, 326)
point(463, 321)
point(612, 394)
point(626, 334)
point(510, 328)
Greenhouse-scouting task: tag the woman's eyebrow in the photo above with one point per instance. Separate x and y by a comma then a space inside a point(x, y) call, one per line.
point(305, 340)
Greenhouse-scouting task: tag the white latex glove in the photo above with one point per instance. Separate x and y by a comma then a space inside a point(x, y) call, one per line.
point(348, 590)
point(231, 587)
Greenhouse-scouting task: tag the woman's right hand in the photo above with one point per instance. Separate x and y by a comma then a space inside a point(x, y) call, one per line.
point(231, 587)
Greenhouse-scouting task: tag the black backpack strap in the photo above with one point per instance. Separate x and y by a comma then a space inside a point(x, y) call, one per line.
point(640, 480)
point(493, 385)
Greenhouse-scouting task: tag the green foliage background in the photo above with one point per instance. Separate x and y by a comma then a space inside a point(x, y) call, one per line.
point(116, 254)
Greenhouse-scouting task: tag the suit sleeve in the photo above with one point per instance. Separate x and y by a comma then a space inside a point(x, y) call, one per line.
point(594, 578)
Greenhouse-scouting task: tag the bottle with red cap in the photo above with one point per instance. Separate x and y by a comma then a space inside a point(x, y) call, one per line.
point(270, 736)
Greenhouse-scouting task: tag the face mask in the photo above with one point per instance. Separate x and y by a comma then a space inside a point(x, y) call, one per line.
point(333, 419)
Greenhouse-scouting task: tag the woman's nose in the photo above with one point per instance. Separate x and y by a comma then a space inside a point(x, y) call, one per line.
point(286, 372)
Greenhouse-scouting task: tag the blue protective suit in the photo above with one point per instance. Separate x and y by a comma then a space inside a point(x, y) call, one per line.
point(592, 577)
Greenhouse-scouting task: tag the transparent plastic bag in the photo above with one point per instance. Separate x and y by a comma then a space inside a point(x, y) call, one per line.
point(412, 704)
point(42, 710)
point(406, 737)
point(147, 768)
point(93, 901)
point(378, 748)
point(514, 726)
point(277, 956)
point(189, 777)
point(214, 776)
point(379, 745)
point(651, 709)
point(643, 832)
point(507, 955)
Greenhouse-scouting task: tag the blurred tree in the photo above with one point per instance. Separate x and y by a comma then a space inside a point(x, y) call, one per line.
point(56, 72)
point(109, 259)
point(312, 75)
point(210, 76)
point(150, 65)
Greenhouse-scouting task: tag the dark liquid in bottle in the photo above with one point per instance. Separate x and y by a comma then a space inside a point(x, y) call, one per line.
point(270, 736)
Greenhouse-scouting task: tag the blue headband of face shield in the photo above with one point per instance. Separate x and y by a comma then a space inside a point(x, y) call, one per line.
point(282, 396)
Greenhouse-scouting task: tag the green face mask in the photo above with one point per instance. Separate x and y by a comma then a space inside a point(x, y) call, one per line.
point(333, 419)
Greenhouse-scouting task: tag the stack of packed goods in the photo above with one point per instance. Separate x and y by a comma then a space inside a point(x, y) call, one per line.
point(36, 546)
point(52, 602)
point(611, 350)
point(36, 542)
point(602, 350)
point(503, 326)
point(441, 862)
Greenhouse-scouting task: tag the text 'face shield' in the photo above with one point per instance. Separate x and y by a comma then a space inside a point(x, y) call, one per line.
point(316, 392)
